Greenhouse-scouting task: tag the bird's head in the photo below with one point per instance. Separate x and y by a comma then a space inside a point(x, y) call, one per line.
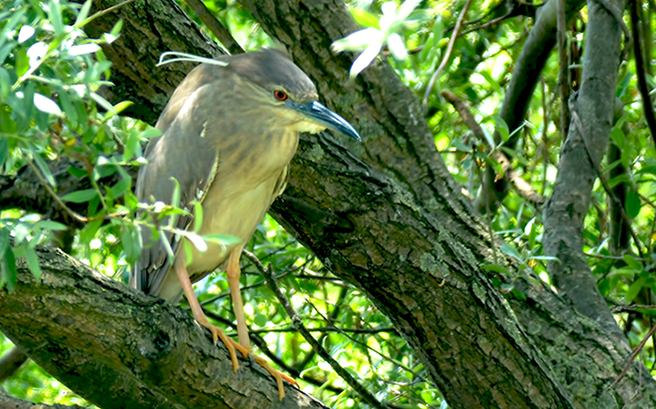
point(277, 85)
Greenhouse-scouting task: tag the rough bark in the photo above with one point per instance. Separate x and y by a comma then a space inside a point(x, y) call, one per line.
point(140, 351)
point(592, 118)
point(399, 229)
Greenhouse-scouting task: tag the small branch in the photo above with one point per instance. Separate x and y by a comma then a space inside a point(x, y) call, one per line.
point(329, 329)
point(298, 324)
point(108, 10)
point(75, 216)
point(215, 26)
point(635, 353)
point(523, 187)
point(447, 55)
point(631, 308)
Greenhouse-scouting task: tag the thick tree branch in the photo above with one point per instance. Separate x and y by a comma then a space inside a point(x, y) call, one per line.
point(580, 157)
point(141, 351)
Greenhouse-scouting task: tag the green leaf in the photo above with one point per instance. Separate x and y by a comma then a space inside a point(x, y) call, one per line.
point(364, 18)
point(502, 127)
point(511, 251)
point(224, 239)
point(81, 196)
point(495, 268)
point(45, 170)
point(5, 81)
point(69, 109)
point(198, 216)
point(83, 14)
point(175, 197)
point(77, 172)
point(632, 204)
point(102, 102)
point(635, 288)
point(56, 20)
point(33, 263)
point(631, 262)
point(9, 275)
point(4, 151)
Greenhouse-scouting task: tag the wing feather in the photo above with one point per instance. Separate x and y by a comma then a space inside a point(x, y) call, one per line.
point(181, 153)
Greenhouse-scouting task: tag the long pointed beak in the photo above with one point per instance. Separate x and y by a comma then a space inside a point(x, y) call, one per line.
point(317, 112)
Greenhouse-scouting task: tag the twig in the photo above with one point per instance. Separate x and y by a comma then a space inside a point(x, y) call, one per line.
point(522, 186)
point(447, 55)
point(215, 26)
point(330, 329)
point(298, 324)
point(107, 11)
point(631, 308)
point(635, 353)
point(486, 24)
point(77, 217)
point(647, 106)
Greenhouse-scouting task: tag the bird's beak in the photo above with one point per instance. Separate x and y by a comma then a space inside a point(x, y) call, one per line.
point(318, 113)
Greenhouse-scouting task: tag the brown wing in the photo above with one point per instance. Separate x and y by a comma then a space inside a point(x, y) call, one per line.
point(181, 153)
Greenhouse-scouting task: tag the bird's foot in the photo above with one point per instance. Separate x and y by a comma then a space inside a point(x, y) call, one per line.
point(277, 375)
point(232, 345)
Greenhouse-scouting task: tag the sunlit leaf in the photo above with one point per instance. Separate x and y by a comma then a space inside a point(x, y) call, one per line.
point(25, 33)
point(397, 47)
point(364, 59)
point(47, 105)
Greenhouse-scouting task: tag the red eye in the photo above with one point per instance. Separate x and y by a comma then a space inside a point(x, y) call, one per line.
point(280, 95)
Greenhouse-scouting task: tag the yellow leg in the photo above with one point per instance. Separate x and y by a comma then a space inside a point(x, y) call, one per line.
point(234, 272)
point(199, 315)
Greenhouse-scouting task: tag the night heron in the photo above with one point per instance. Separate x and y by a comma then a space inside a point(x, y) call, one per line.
point(228, 134)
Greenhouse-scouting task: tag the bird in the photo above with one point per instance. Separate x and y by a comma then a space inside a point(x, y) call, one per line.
point(228, 134)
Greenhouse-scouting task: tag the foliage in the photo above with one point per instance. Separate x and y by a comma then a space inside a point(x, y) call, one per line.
point(50, 108)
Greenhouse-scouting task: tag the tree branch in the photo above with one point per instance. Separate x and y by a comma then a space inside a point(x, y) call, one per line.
point(141, 351)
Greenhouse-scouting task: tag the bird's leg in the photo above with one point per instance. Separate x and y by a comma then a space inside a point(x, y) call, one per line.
point(199, 315)
point(234, 272)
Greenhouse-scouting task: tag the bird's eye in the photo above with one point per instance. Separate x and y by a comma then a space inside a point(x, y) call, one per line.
point(280, 95)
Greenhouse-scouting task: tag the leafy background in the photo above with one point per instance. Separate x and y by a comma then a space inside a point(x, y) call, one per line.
point(50, 108)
